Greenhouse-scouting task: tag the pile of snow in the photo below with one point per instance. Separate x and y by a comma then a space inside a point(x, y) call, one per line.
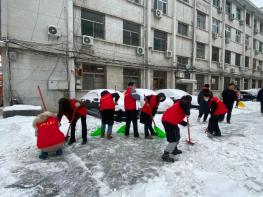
point(22, 108)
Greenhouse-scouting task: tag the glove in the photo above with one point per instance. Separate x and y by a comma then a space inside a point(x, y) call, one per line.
point(183, 123)
point(77, 104)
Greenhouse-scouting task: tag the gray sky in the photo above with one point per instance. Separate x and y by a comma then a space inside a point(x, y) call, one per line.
point(258, 3)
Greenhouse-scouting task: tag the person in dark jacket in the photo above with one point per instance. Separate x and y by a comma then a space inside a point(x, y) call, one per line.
point(130, 98)
point(260, 99)
point(107, 109)
point(171, 118)
point(73, 110)
point(203, 105)
point(148, 112)
point(229, 97)
point(217, 110)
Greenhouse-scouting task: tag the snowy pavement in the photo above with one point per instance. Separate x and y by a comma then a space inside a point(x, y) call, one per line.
point(227, 166)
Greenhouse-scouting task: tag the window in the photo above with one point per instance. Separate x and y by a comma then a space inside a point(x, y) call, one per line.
point(200, 81)
point(255, 24)
point(238, 36)
point(238, 58)
point(228, 7)
point(215, 54)
point(216, 26)
point(214, 82)
point(200, 50)
point(253, 83)
point(216, 3)
point(248, 19)
point(228, 31)
point(161, 5)
point(228, 57)
point(261, 27)
point(182, 29)
point(247, 41)
point(255, 44)
point(254, 64)
point(182, 62)
point(245, 84)
point(159, 80)
point(227, 81)
point(201, 20)
point(131, 33)
point(260, 84)
point(160, 40)
point(93, 77)
point(238, 14)
point(260, 47)
point(131, 75)
point(92, 24)
point(247, 62)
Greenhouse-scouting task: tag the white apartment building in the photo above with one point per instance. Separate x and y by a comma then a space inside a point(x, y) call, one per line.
point(69, 47)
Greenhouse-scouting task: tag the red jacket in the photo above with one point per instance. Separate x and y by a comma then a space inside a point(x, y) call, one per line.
point(174, 115)
point(82, 111)
point(106, 102)
point(129, 101)
point(49, 134)
point(148, 107)
point(220, 108)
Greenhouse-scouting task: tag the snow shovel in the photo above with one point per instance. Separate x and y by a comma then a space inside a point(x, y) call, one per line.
point(160, 133)
point(189, 137)
point(241, 105)
point(121, 130)
point(96, 132)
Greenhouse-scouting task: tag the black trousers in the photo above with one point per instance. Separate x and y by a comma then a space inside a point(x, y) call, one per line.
point(172, 132)
point(213, 126)
point(147, 128)
point(261, 103)
point(131, 116)
point(229, 113)
point(205, 115)
point(84, 129)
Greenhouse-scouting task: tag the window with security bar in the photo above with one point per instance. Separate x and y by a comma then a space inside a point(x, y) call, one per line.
point(133, 75)
point(93, 77)
point(161, 5)
point(131, 33)
point(160, 40)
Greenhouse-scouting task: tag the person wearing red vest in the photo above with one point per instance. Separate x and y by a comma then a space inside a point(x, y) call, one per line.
point(171, 118)
point(49, 137)
point(130, 98)
point(148, 111)
point(67, 107)
point(107, 109)
point(218, 111)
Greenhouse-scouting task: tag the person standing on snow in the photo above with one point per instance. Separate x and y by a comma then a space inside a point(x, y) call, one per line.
point(130, 98)
point(260, 99)
point(229, 97)
point(217, 110)
point(107, 109)
point(148, 112)
point(171, 118)
point(203, 105)
point(72, 108)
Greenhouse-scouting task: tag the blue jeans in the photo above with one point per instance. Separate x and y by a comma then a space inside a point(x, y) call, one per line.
point(103, 128)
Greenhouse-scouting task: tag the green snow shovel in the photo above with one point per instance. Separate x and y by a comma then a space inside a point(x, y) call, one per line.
point(121, 130)
point(160, 133)
point(96, 132)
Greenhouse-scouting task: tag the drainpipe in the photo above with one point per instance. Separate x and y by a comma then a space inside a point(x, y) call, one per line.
point(148, 44)
point(174, 31)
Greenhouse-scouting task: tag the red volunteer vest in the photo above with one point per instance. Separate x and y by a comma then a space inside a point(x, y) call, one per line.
point(49, 134)
point(174, 115)
point(82, 111)
point(129, 101)
point(221, 108)
point(148, 107)
point(106, 102)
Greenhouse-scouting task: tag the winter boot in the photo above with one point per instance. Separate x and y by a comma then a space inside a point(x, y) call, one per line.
point(43, 155)
point(59, 152)
point(83, 142)
point(148, 137)
point(109, 136)
point(71, 141)
point(166, 157)
point(176, 151)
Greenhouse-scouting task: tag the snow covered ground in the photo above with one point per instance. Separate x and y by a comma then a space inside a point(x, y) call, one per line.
point(228, 166)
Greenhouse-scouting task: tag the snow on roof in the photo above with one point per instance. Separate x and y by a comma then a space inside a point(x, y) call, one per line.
point(22, 108)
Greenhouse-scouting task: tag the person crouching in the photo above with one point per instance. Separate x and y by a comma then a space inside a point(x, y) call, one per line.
point(171, 118)
point(148, 111)
point(218, 111)
point(107, 109)
point(49, 137)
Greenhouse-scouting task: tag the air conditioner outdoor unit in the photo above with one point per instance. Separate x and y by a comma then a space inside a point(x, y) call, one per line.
point(158, 13)
point(232, 17)
point(241, 22)
point(53, 31)
point(215, 35)
point(135, 1)
point(168, 54)
point(87, 40)
point(140, 51)
point(232, 70)
point(256, 31)
point(180, 75)
point(260, 68)
point(219, 10)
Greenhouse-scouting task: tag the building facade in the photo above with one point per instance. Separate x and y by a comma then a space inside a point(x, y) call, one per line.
point(69, 47)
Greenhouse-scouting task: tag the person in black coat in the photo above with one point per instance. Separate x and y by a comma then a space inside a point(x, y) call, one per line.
point(203, 105)
point(260, 99)
point(229, 97)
